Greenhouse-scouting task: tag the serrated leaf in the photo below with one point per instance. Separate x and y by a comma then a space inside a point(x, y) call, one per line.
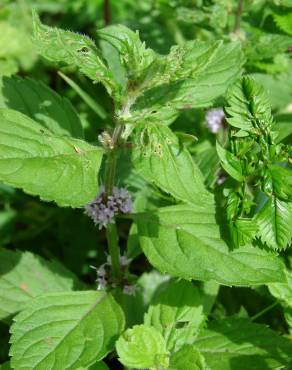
point(42, 104)
point(275, 223)
point(238, 344)
point(65, 331)
point(188, 357)
point(56, 168)
point(74, 50)
point(177, 312)
point(194, 75)
point(159, 157)
point(134, 56)
point(230, 163)
point(184, 241)
point(243, 230)
point(24, 276)
point(282, 182)
point(142, 347)
point(283, 291)
point(284, 22)
point(248, 106)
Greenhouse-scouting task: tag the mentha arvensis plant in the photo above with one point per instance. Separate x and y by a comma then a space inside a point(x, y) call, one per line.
point(181, 214)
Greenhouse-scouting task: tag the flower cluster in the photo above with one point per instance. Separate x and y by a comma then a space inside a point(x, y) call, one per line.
point(103, 278)
point(103, 208)
point(214, 119)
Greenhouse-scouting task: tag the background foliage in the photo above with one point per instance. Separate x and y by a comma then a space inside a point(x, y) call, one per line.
point(228, 193)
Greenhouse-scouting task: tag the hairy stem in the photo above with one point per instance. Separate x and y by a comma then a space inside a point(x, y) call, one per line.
point(238, 16)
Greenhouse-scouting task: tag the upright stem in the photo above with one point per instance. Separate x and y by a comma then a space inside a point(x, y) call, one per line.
point(238, 16)
point(114, 250)
point(111, 230)
point(106, 12)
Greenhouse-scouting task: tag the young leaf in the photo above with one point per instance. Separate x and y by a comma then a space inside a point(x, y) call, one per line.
point(159, 157)
point(177, 312)
point(65, 330)
point(194, 76)
point(275, 223)
point(24, 275)
point(134, 56)
point(143, 347)
point(184, 241)
point(42, 104)
point(238, 344)
point(74, 50)
point(187, 358)
point(56, 168)
point(248, 106)
point(230, 163)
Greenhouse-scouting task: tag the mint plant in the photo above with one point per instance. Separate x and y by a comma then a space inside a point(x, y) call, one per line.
point(164, 221)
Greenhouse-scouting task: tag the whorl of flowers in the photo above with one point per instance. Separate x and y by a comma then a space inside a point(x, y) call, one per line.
point(103, 277)
point(103, 208)
point(214, 119)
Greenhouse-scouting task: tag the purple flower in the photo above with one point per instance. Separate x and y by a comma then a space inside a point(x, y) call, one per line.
point(214, 119)
point(103, 208)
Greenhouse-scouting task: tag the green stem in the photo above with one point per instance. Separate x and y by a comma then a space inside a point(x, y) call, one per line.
point(238, 16)
point(114, 250)
point(271, 306)
point(111, 230)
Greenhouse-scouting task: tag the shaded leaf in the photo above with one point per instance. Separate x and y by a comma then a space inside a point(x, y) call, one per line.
point(24, 276)
point(238, 344)
point(42, 104)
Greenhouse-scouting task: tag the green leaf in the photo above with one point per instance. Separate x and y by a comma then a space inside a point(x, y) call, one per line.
point(42, 104)
point(248, 107)
point(159, 157)
point(238, 344)
point(24, 276)
point(5, 366)
point(184, 241)
point(282, 182)
point(56, 168)
point(177, 312)
point(65, 330)
point(243, 230)
point(193, 76)
point(230, 163)
point(134, 56)
point(283, 291)
point(275, 223)
point(98, 366)
point(284, 22)
point(187, 358)
point(143, 347)
point(72, 49)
